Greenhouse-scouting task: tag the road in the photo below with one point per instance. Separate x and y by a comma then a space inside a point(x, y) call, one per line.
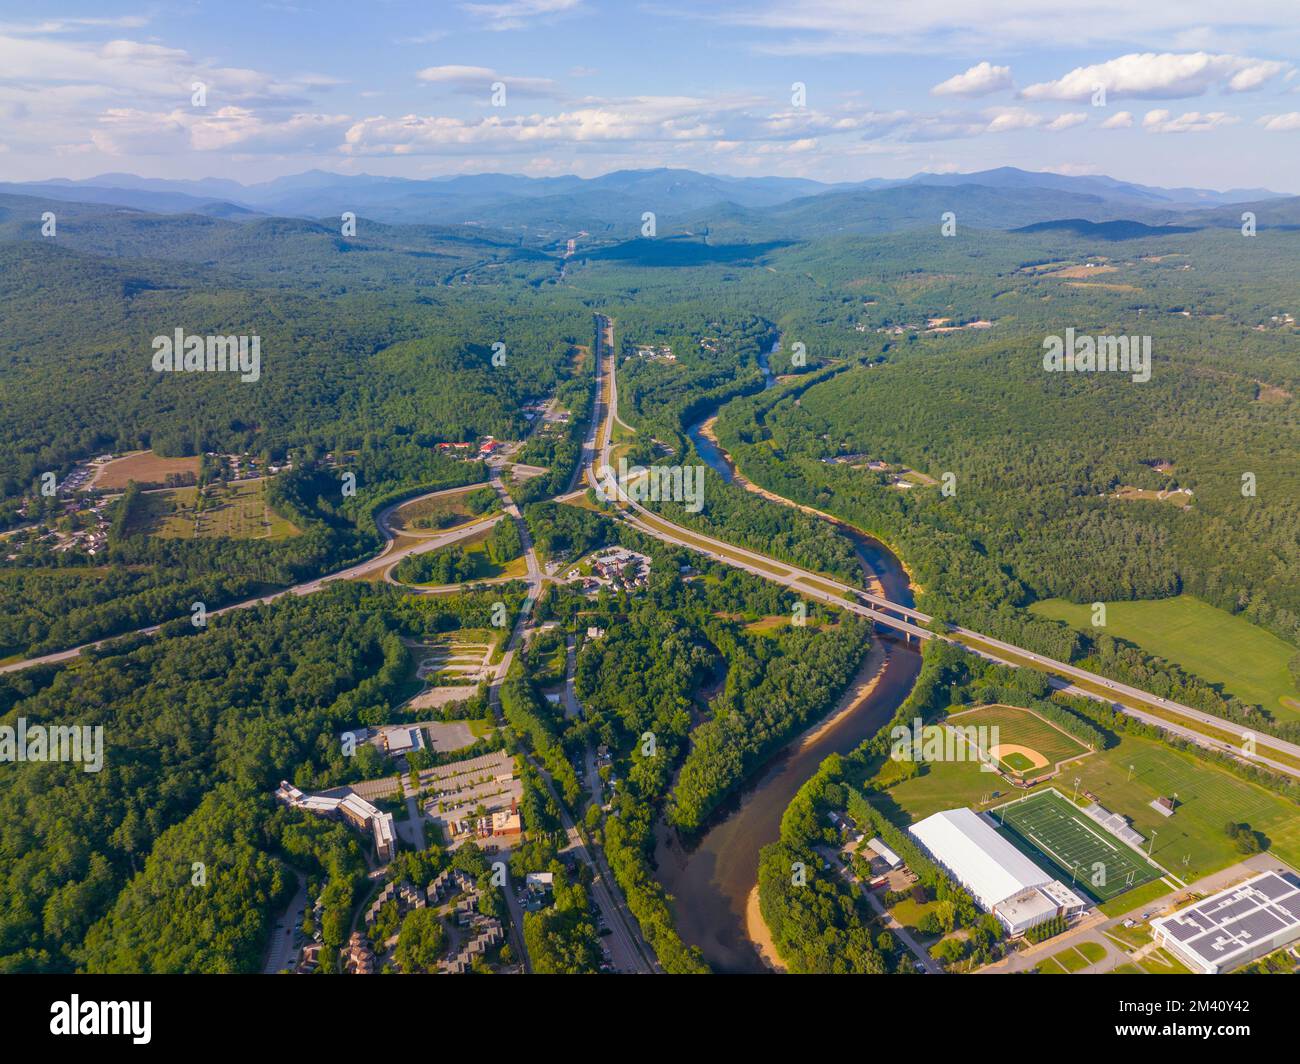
point(628, 952)
point(282, 952)
point(1126, 698)
point(919, 953)
point(388, 556)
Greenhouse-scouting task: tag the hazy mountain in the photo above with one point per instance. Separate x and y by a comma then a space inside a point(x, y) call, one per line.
point(1107, 188)
point(545, 211)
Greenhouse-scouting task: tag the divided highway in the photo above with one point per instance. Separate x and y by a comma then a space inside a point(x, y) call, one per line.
point(1182, 720)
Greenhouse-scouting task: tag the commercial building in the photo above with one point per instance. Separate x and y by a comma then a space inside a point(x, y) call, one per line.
point(1234, 926)
point(1000, 878)
point(350, 807)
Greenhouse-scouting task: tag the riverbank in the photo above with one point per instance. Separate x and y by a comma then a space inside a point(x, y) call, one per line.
point(757, 929)
point(874, 585)
point(711, 876)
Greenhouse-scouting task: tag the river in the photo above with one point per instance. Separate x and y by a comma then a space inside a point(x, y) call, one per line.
point(712, 874)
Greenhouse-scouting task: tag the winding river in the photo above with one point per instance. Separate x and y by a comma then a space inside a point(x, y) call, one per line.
point(712, 874)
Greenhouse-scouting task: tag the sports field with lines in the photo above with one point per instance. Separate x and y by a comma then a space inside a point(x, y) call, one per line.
point(1024, 743)
point(1049, 828)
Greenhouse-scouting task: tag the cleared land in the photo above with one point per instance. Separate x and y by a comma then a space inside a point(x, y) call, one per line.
point(1060, 838)
point(1244, 659)
point(237, 511)
point(144, 467)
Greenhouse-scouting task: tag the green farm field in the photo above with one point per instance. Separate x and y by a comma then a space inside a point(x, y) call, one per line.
point(1224, 649)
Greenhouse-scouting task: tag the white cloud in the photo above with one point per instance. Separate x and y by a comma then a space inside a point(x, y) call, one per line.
point(68, 25)
point(1161, 121)
point(475, 80)
point(1066, 121)
point(516, 14)
point(1119, 120)
point(1159, 77)
point(640, 119)
point(428, 37)
point(1285, 123)
point(127, 131)
point(979, 80)
point(1005, 119)
point(959, 27)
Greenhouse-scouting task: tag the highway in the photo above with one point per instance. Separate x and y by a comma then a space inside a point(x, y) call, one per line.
point(1126, 698)
point(387, 557)
point(627, 948)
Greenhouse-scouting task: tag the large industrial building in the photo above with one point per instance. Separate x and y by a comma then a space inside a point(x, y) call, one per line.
point(1234, 926)
point(1000, 878)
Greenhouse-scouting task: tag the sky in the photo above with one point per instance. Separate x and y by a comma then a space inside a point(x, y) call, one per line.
point(1168, 92)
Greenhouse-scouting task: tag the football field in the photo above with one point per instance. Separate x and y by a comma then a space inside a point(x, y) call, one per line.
point(1049, 828)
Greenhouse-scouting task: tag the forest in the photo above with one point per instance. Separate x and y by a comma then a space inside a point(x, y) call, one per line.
point(199, 727)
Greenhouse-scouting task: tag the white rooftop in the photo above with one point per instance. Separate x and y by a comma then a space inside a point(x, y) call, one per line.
point(885, 853)
point(982, 860)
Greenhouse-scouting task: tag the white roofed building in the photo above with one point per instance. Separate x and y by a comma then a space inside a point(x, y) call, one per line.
point(885, 853)
point(1234, 926)
point(1001, 879)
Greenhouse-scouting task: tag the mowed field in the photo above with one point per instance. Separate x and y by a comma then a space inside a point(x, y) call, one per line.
point(144, 467)
point(1061, 839)
point(236, 512)
point(1125, 779)
point(1021, 727)
point(1215, 645)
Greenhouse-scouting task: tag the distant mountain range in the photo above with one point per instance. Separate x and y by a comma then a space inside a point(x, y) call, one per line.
point(539, 211)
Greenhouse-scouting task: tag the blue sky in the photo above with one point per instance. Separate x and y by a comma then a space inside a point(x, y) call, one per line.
point(1195, 92)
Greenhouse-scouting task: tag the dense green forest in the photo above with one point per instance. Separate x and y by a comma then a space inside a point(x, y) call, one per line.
point(198, 730)
point(375, 350)
point(1036, 459)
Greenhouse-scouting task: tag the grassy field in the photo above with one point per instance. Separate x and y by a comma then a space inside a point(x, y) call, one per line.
point(1125, 779)
point(475, 548)
point(1061, 839)
point(144, 467)
point(1073, 959)
point(237, 512)
point(1020, 727)
point(1215, 645)
point(437, 514)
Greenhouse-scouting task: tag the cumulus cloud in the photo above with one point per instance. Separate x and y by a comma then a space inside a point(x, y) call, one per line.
point(1162, 121)
point(979, 80)
point(1119, 120)
point(643, 119)
point(131, 131)
point(1005, 119)
point(141, 69)
point(1284, 123)
point(1066, 121)
point(1165, 76)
